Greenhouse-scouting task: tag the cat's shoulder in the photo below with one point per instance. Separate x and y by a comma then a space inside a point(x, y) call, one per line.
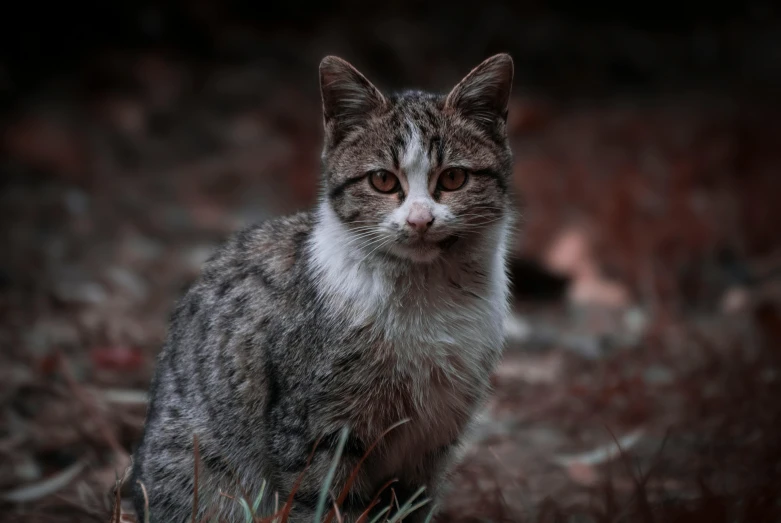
point(267, 253)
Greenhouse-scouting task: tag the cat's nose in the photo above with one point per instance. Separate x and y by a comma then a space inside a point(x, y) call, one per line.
point(419, 218)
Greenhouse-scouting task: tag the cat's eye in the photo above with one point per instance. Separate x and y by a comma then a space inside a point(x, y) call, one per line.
point(384, 181)
point(452, 179)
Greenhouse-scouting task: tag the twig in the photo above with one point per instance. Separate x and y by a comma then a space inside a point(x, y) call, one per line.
point(356, 469)
point(365, 515)
point(338, 514)
point(146, 501)
point(116, 516)
point(392, 501)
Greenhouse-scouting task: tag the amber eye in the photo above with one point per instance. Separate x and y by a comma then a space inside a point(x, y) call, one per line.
point(384, 181)
point(452, 179)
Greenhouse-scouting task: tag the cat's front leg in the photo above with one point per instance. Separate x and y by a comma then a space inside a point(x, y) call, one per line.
point(433, 475)
point(308, 481)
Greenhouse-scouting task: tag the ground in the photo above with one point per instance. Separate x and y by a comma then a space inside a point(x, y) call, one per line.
point(641, 376)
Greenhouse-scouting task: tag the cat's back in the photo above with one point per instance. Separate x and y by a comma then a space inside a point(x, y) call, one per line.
point(213, 357)
point(210, 375)
point(263, 257)
point(247, 279)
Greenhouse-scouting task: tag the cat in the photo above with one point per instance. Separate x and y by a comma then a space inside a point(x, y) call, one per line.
point(384, 304)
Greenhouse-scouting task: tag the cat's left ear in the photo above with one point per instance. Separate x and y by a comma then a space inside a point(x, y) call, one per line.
point(484, 93)
point(348, 97)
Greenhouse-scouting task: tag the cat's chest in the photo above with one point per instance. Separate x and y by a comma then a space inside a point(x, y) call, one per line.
point(430, 367)
point(434, 391)
point(433, 331)
point(421, 347)
point(434, 397)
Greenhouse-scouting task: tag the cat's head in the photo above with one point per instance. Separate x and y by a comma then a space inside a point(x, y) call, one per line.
point(412, 174)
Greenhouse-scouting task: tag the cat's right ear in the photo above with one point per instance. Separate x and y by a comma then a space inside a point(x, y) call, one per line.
point(483, 95)
point(348, 97)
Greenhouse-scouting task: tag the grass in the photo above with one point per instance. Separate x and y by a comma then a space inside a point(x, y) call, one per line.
point(249, 510)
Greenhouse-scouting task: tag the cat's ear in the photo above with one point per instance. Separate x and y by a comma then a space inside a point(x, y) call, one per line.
point(348, 97)
point(484, 93)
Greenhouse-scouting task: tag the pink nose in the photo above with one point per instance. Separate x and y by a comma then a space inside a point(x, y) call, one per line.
point(419, 218)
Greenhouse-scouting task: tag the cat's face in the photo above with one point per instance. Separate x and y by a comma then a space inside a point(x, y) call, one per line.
point(411, 175)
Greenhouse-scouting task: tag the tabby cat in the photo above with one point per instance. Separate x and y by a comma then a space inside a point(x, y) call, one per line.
point(385, 303)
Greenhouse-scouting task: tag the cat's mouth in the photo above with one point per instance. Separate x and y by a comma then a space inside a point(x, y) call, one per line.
point(423, 243)
point(447, 242)
point(421, 250)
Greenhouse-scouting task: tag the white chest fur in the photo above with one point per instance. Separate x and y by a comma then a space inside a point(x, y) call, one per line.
point(442, 321)
point(420, 306)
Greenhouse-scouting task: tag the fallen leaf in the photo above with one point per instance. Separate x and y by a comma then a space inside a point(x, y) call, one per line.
point(571, 254)
point(43, 488)
point(583, 474)
point(735, 300)
point(603, 453)
point(545, 369)
point(124, 396)
point(595, 290)
point(117, 358)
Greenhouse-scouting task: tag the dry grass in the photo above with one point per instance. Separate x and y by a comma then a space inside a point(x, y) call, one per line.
point(391, 514)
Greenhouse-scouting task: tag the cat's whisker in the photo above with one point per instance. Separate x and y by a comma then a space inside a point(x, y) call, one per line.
point(364, 235)
point(364, 232)
point(381, 245)
point(370, 244)
point(366, 243)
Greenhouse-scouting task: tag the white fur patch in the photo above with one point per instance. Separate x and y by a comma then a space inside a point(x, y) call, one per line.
point(417, 306)
point(416, 165)
point(343, 277)
point(415, 162)
point(444, 317)
point(420, 314)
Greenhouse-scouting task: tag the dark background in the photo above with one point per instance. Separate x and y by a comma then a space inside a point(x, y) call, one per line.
point(563, 49)
point(135, 136)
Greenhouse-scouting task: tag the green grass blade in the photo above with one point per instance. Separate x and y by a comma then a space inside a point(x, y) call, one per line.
point(380, 515)
point(259, 499)
point(413, 508)
point(247, 511)
point(323, 499)
point(404, 510)
point(430, 516)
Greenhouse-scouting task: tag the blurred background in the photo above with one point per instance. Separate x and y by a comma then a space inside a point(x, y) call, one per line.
point(641, 379)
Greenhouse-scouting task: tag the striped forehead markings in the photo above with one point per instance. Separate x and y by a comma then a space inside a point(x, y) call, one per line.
point(437, 145)
point(415, 161)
